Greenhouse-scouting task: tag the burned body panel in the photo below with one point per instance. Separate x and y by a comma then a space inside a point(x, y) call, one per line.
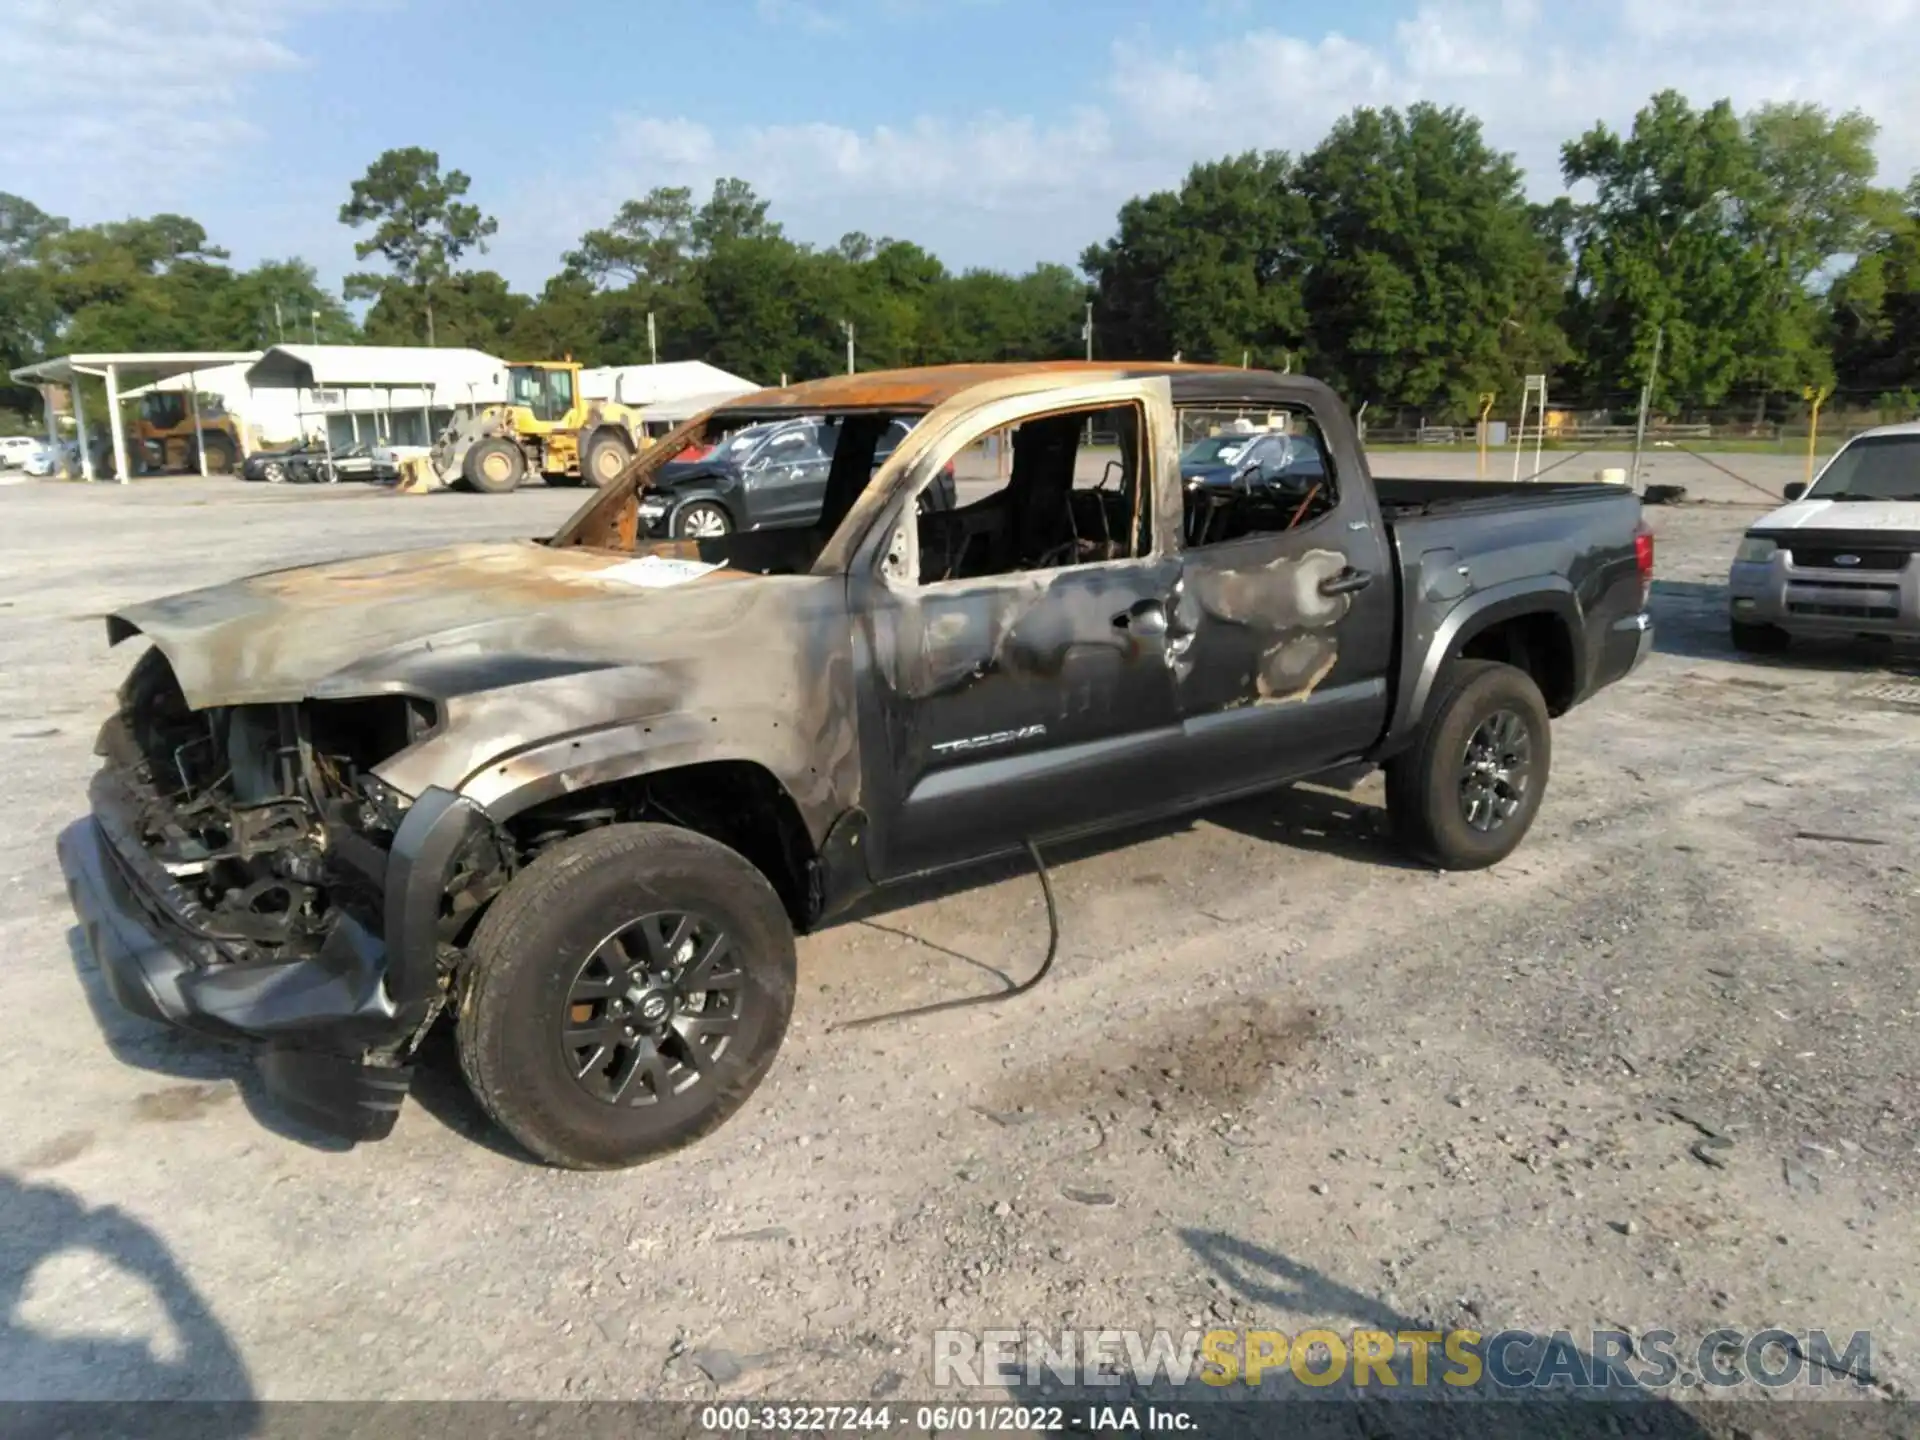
point(1055, 666)
point(516, 644)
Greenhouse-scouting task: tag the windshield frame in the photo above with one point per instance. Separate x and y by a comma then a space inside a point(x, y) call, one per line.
point(1827, 484)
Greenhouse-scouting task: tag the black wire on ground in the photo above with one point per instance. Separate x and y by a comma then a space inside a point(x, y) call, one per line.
point(992, 997)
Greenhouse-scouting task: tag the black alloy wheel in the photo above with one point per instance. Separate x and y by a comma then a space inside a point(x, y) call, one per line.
point(625, 994)
point(653, 1009)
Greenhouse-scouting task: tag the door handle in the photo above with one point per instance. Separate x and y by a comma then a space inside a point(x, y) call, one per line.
point(1144, 617)
point(1346, 582)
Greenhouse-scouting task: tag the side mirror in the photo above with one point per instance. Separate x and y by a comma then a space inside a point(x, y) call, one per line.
point(1795, 490)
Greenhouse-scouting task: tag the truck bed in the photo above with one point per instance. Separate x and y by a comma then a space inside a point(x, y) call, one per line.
point(1410, 498)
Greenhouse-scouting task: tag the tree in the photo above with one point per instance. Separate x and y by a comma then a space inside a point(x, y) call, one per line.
point(732, 212)
point(475, 308)
point(278, 300)
point(1399, 258)
point(1427, 278)
point(1875, 305)
point(29, 315)
point(421, 227)
point(1813, 200)
point(1661, 251)
point(1210, 271)
point(649, 241)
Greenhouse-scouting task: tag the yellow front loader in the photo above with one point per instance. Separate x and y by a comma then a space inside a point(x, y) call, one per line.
point(546, 428)
point(164, 438)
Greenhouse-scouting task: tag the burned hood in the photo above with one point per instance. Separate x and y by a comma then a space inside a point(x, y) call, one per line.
point(441, 621)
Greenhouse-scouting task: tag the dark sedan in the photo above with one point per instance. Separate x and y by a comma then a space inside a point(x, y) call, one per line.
point(277, 467)
point(766, 477)
point(1253, 461)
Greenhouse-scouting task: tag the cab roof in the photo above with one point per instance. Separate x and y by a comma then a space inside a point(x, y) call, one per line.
point(922, 389)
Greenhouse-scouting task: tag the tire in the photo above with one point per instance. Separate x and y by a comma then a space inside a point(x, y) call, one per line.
point(1756, 639)
point(1429, 789)
point(494, 467)
point(603, 460)
point(541, 957)
point(219, 457)
point(702, 520)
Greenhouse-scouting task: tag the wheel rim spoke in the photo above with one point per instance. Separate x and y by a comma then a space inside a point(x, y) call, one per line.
point(710, 968)
point(1495, 771)
point(602, 1032)
point(653, 1009)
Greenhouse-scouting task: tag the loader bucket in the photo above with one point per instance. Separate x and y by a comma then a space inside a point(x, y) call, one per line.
point(417, 476)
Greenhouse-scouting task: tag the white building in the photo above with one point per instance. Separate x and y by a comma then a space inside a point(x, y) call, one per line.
point(670, 392)
point(379, 394)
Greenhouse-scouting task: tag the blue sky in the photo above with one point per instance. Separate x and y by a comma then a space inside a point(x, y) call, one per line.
point(996, 132)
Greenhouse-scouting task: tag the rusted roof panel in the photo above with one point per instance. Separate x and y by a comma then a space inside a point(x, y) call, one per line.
point(922, 389)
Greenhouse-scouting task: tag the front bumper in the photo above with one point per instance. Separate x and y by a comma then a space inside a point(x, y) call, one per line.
point(1832, 601)
point(320, 1018)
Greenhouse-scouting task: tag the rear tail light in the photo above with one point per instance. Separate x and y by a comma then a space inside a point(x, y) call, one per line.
point(1643, 559)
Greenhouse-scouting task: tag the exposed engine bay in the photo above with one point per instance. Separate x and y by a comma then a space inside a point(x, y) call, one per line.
point(259, 813)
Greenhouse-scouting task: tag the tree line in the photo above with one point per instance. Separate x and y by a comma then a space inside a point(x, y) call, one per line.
point(1400, 259)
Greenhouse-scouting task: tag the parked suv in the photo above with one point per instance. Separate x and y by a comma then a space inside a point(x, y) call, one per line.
point(1838, 559)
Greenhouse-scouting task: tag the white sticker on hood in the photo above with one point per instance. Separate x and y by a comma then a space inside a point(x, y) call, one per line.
point(656, 572)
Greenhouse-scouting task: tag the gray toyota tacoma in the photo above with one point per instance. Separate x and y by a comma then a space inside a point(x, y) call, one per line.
point(577, 795)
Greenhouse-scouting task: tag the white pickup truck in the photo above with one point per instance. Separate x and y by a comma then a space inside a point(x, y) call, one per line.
point(1838, 559)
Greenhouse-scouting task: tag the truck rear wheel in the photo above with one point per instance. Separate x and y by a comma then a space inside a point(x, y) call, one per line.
point(1465, 795)
point(626, 994)
point(494, 467)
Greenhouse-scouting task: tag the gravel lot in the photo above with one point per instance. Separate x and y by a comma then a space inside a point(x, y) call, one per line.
point(1279, 1077)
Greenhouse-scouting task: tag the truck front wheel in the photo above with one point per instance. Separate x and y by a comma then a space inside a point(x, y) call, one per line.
point(494, 467)
point(1465, 794)
point(625, 995)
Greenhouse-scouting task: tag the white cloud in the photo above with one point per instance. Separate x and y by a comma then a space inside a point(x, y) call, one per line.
point(981, 190)
point(1009, 189)
point(125, 106)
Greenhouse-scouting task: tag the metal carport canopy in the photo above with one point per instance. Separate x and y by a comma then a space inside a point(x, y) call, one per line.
point(430, 369)
point(373, 367)
point(156, 364)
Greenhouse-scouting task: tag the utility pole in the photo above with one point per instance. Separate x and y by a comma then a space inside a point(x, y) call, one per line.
point(1646, 403)
point(1086, 331)
point(653, 341)
point(314, 321)
point(279, 323)
point(847, 325)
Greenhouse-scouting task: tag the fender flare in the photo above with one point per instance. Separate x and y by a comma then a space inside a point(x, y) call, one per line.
point(632, 749)
point(1534, 595)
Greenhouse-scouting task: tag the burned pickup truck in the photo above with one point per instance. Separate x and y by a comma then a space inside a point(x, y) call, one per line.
point(576, 796)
